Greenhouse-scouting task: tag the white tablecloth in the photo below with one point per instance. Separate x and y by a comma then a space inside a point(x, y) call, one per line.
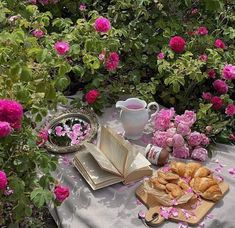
point(116, 206)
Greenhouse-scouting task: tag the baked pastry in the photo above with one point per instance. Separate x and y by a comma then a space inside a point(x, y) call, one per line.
point(174, 190)
point(212, 193)
point(202, 172)
point(168, 176)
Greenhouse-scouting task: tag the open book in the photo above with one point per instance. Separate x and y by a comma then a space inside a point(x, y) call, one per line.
point(114, 160)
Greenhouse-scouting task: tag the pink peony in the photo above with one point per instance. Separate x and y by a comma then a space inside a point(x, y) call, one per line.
point(61, 47)
point(207, 96)
point(202, 31)
point(92, 96)
point(5, 129)
point(177, 44)
point(230, 110)
point(112, 62)
point(219, 44)
point(38, 33)
point(178, 141)
point(228, 72)
point(3, 180)
point(182, 152)
point(161, 55)
point(183, 129)
point(188, 118)
point(203, 57)
point(163, 118)
point(82, 7)
point(216, 102)
point(205, 140)
point(42, 137)
point(11, 112)
point(211, 73)
point(159, 139)
point(61, 192)
point(169, 142)
point(220, 86)
point(195, 138)
point(102, 24)
point(171, 132)
point(200, 154)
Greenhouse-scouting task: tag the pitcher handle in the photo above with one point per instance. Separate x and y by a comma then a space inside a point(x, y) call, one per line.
point(153, 104)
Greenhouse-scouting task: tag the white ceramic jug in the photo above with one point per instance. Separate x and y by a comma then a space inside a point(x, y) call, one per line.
point(134, 116)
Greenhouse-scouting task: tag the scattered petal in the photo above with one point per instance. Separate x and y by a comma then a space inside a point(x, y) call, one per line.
point(141, 215)
point(201, 225)
point(209, 216)
point(182, 225)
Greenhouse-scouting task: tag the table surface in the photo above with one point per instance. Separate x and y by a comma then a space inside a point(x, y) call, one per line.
point(117, 207)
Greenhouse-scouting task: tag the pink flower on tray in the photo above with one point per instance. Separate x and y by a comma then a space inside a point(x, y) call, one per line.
point(61, 193)
point(206, 96)
point(230, 110)
point(163, 118)
point(112, 62)
point(38, 33)
point(5, 129)
point(178, 141)
point(228, 72)
point(59, 131)
point(3, 180)
point(92, 96)
point(211, 73)
point(200, 154)
point(216, 102)
point(161, 55)
point(159, 139)
point(102, 24)
point(195, 138)
point(61, 47)
point(219, 43)
point(181, 152)
point(188, 118)
point(202, 31)
point(177, 44)
point(183, 129)
point(220, 86)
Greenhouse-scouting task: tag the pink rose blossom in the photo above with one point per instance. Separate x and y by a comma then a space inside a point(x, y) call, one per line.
point(220, 86)
point(232, 137)
point(183, 129)
point(194, 11)
point(102, 25)
point(5, 129)
point(3, 180)
point(195, 139)
point(42, 137)
point(182, 152)
point(61, 193)
point(202, 31)
point(159, 139)
point(207, 96)
point(219, 44)
point(178, 141)
point(92, 96)
point(211, 73)
point(228, 72)
point(34, 2)
point(38, 33)
point(230, 110)
point(188, 118)
point(200, 154)
point(203, 57)
point(177, 44)
point(102, 55)
point(216, 102)
point(163, 118)
point(61, 47)
point(82, 7)
point(112, 62)
point(205, 140)
point(161, 55)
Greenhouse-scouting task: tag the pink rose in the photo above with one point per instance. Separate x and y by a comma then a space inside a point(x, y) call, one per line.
point(61, 47)
point(5, 129)
point(38, 33)
point(163, 118)
point(112, 62)
point(161, 55)
point(220, 86)
point(177, 44)
point(230, 110)
point(194, 11)
point(211, 73)
point(42, 137)
point(3, 180)
point(159, 139)
point(228, 72)
point(195, 138)
point(200, 154)
point(202, 31)
point(82, 7)
point(188, 118)
point(232, 137)
point(61, 193)
point(216, 102)
point(207, 96)
point(183, 129)
point(219, 44)
point(178, 141)
point(92, 96)
point(102, 24)
point(203, 58)
point(102, 55)
point(182, 152)
point(205, 140)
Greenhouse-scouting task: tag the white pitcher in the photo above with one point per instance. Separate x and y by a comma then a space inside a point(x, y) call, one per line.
point(134, 116)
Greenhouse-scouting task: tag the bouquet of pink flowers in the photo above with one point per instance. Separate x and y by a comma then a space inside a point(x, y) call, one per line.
point(174, 132)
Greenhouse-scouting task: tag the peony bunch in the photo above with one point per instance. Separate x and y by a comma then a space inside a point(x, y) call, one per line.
point(174, 132)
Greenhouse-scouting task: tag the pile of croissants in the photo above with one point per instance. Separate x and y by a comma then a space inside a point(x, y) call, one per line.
point(184, 177)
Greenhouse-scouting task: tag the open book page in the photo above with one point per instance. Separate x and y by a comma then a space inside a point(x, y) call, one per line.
point(91, 171)
point(101, 158)
point(114, 147)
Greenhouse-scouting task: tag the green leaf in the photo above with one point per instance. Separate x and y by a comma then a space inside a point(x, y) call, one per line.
point(26, 74)
point(41, 196)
